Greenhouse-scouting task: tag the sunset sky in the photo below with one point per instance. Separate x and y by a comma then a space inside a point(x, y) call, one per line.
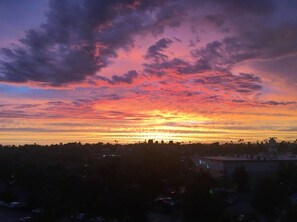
point(132, 70)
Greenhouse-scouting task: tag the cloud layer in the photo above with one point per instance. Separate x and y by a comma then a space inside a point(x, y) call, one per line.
point(146, 65)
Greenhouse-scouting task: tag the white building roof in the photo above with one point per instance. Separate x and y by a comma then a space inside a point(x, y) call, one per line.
point(252, 158)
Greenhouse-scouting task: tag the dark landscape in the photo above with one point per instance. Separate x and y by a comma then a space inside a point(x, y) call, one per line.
point(140, 182)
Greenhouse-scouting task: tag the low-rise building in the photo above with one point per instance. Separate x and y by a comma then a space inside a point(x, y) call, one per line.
point(257, 166)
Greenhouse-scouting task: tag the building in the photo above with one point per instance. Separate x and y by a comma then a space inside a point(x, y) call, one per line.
point(257, 166)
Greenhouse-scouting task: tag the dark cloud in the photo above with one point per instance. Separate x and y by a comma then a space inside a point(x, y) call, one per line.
point(13, 113)
point(158, 62)
point(284, 68)
point(126, 78)
point(292, 3)
point(275, 103)
point(264, 103)
point(175, 65)
point(156, 51)
point(110, 97)
point(216, 20)
point(238, 100)
point(215, 59)
point(82, 103)
point(246, 83)
point(270, 41)
point(80, 38)
point(115, 79)
point(238, 7)
point(27, 106)
point(225, 53)
point(213, 99)
point(260, 32)
point(76, 108)
point(251, 6)
point(242, 83)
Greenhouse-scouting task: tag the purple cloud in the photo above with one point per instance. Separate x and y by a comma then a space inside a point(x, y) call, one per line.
point(126, 78)
point(78, 39)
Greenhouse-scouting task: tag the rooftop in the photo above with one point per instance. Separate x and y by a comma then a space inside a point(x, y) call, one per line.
point(260, 157)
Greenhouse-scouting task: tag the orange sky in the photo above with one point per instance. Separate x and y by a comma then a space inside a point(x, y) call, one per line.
point(172, 70)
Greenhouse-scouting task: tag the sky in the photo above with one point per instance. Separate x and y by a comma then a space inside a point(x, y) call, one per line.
point(132, 70)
